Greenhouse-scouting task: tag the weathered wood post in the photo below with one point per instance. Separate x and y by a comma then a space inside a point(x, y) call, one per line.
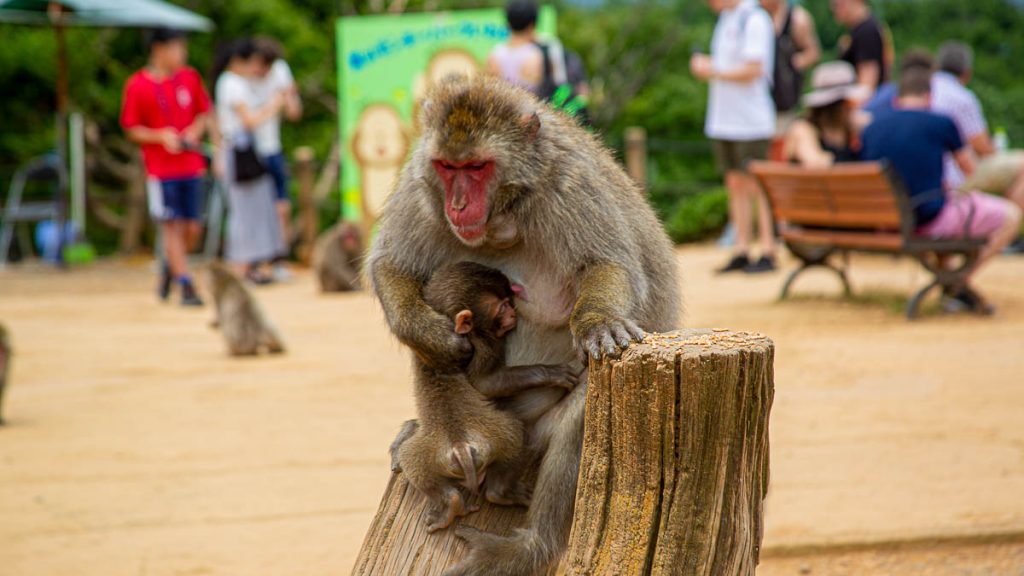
point(673, 475)
point(308, 215)
point(636, 155)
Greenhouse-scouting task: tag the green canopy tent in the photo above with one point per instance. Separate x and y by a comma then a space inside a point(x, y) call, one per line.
point(60, 14)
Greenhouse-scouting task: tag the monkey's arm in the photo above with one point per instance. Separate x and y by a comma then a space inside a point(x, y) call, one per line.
point(431, 335)
point(601, 321)
point(512, 380)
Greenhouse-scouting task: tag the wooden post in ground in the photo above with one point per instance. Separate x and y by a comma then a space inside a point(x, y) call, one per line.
point(636, 154)
point(673, 475)
point(308, 214)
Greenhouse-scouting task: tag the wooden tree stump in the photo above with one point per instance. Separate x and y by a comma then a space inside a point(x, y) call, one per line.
point(673, 475)
point(675, 457)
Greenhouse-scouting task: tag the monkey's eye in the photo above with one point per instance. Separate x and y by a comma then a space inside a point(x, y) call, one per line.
point(475, 166)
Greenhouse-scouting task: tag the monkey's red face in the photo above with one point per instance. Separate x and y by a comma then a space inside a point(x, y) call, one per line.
point(466, 185)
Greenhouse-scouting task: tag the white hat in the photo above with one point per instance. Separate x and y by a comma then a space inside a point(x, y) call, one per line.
point(832, 82)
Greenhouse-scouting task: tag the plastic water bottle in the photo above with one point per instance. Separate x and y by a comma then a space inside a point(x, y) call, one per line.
point(1000, 140)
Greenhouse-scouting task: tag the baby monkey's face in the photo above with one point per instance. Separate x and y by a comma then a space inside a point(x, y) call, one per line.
point(501, 312)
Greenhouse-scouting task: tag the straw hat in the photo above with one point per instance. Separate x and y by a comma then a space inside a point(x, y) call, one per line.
point(832, 82)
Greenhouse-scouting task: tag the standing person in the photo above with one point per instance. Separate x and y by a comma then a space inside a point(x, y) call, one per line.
point(254, 235)
point(741, 117)
point(796, 50)
point(914, 141)
point(165, 111)
point(865, 46)
point(519, 60)
point(274, 76)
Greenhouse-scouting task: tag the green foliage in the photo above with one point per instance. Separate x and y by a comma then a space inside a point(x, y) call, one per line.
point(694, 217)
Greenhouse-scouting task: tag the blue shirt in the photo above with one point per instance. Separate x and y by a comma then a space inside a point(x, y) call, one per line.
point(884, 99)
point(913, 142)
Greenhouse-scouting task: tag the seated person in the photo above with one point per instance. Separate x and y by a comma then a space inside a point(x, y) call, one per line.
point(828, 133)
point(913, 140)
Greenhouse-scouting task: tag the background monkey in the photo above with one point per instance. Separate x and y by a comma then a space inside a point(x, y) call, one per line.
point(461, 435)
point(337, 258)
point(5, 366)
point(239, 316)
point(501, 179)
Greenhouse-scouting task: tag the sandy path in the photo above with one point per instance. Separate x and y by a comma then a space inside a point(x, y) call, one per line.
point(137, 447)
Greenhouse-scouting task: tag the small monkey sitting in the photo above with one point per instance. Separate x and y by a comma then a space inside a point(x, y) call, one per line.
point(337, 258)
point(239, 316)
point(462, 438)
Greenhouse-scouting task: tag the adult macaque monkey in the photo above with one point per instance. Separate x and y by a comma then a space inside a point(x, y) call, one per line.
point(501, 179)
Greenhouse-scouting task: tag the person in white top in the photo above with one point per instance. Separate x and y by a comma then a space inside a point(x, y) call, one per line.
point(253, 232)
point(274, 77)
point(740, 119)
point(519, 61)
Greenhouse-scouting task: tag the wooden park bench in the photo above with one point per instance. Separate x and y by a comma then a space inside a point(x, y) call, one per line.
point(857, 207)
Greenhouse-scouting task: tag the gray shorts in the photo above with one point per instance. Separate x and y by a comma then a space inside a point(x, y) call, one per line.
point(733, 155)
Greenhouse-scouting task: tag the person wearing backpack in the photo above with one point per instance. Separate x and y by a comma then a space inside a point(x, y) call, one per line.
point(740, 118)
point(797, 49)
point(519, 60)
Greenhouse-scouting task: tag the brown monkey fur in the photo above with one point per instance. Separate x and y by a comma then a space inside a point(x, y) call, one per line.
point(240, 317)
point(5, 366)
point(563, 220)
point(337, 258)
point(461, 434)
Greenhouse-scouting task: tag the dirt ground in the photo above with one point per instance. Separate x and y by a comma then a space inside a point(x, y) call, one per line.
point(135, 446)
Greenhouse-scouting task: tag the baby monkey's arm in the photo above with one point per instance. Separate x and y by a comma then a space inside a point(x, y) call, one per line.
point(511, 380)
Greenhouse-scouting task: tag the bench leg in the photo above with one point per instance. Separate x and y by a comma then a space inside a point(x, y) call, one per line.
point(915, 302)
point(947, 278)
point(810, 258)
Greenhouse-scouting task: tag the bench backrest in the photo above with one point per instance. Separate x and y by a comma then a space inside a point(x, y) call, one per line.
point(858, 196)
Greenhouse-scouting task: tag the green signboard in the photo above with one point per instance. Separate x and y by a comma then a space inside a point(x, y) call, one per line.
point(385, 65)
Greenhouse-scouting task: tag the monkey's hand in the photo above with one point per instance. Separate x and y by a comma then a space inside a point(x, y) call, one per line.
point(436, 343)
point(597, 335)
point(562, 376)
point(600, 321)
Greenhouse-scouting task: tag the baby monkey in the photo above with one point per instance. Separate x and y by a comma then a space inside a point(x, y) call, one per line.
point(462, 438)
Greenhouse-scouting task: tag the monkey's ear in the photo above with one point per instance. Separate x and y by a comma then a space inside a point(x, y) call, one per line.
point(530, 123)
point(464, 322)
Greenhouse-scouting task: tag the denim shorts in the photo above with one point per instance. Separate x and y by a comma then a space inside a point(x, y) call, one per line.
point(175, 198)
point(278, 169)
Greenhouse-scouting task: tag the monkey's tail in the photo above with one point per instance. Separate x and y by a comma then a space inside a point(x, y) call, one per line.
point(462, 453)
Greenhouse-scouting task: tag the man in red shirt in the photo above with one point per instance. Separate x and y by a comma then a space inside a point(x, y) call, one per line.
point(165, 111)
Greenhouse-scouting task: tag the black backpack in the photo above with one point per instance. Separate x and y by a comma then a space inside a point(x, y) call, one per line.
point(788, 82)
point(562, 95)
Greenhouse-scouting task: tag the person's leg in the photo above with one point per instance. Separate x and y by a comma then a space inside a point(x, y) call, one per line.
point(739, 204)
point(765, 222)
point(750, 151)
point(740, 209)
point(1005, 220)
point(182, 208)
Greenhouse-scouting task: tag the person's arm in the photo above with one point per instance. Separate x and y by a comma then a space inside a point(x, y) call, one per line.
point(193, 134)
point(167, 137)
point(982, 144)
point(492, 66)
point(805, 36)
point(292, 104)
point(868, 74)
point(252, 118)
point(759, 37)
point(804, 146)
point(965, 160)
